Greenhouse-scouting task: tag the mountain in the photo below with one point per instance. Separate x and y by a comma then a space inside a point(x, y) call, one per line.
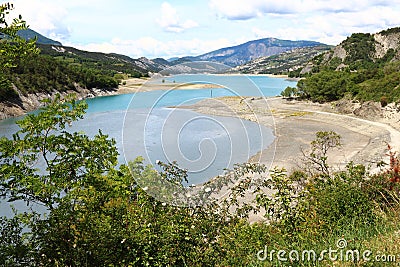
point(358, 51)
point(240, 54)
point(112, 63)
point(29, 34)
point(363, 67)
point(195, 67)
point(282, 63)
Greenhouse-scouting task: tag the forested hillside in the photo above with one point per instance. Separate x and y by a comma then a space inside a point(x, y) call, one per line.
point(57, 68)
point(44, 74)
point(364, 66)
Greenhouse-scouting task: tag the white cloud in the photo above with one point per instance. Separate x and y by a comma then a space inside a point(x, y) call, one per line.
point(170, 21)
point(329, 23)
point(156, 48)
point(243, 10)
point(45, 17)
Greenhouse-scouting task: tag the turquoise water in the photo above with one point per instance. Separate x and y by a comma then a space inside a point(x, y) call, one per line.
point(236, 85)
point(144, 124)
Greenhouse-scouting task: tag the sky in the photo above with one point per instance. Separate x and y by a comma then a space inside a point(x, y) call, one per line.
point(178, 28)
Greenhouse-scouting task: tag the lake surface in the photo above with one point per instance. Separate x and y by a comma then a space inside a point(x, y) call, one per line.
point(144, 124)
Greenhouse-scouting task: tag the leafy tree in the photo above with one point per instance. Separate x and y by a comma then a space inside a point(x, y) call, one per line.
point(97, 214)
point(316, 159)
point(289, 92)
point(326, 86)
point(12, 49)
point(67, 158)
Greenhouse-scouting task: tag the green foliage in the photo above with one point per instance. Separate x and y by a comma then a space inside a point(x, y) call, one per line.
point(15, 249)
point(13, 49)
point(6, 90)
point(360, 48)
point(390, 31)
point(106, 64)
point(339, 201)
point(97, 214)
point(100, 215)
point(326, 86)
point(316, 159)
point(289, 92)
point(365, 84)
point(45, 74)
point(68, 158)
point(364, 77)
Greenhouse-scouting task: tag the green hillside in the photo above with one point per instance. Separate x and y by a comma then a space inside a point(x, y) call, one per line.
point(109, 64)
point(364, 67)
point(58, 68)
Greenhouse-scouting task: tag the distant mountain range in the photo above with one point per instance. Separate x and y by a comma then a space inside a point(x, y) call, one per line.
point(240, 54)
point(230, 56)
point(282, 63)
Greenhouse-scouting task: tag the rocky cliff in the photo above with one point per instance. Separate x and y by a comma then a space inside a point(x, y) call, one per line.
point(359, 49)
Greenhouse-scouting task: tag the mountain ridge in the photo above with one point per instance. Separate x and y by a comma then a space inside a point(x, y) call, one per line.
point(29, 34)
point(282, 63)
point(242, 53)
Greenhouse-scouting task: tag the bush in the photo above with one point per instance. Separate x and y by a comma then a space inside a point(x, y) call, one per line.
point(384, 101)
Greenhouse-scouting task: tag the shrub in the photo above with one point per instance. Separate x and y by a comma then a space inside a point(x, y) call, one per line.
point(384, 101)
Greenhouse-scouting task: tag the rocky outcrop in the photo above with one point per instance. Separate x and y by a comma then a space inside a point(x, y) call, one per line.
point(384, 42)
point(30, 102)
point(367, 110)
point(339, 52)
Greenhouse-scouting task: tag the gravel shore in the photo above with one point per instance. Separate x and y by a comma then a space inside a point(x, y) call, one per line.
point(295, 124)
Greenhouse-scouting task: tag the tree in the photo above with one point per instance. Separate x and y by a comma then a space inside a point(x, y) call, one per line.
point(289, 92)
point(12, 49)
point(316, 159)
point(96, 214)
point(68, 159)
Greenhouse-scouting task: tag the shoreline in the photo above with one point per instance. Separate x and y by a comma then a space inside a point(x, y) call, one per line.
point(9, 109)
point(134, 85)
point(295, 123)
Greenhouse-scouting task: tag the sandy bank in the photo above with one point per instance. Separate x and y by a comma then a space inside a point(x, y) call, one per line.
point(135, 85)
point(295, 124)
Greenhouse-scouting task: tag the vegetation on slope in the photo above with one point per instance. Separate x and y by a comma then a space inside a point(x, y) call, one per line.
point(12, 50)
point(359, 73)
point(26, 69)
point(107, 64)
point(43, 74)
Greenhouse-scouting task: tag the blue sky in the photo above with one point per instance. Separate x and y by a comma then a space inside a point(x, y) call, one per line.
point(172, 28)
